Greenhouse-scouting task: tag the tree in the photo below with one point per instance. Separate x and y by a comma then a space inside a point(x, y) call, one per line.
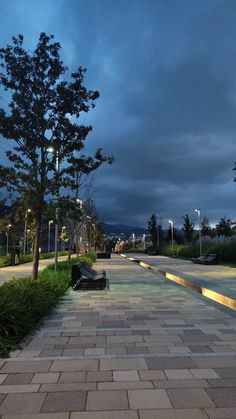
point(223, 228)
point(43, 112)
point(152, 228)
point(205, 227)
point(188, 229)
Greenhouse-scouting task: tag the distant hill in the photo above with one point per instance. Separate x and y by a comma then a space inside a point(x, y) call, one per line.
point(122, 228)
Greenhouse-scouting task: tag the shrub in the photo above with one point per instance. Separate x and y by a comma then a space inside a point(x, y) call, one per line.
point(4, 261)
point(24, 302)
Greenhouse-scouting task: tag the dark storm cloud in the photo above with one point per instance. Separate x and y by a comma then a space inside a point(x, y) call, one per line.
point(166, 73)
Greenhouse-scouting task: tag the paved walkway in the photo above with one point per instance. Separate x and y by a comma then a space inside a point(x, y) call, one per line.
point(24, 269)
point(145, 349)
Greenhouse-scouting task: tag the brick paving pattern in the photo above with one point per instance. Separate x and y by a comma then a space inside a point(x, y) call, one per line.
point(145, 349)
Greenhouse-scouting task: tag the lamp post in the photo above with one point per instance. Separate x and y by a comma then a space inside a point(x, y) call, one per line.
point(27, 240)
point(7, 234)
point(172, 234)
point(62, 234)
point(94, 226)
point(52, 150)
point(49, 234)
point(199, 229)
point(78, 235)
point(133, 239)
point(144, 241)
point(25, 230)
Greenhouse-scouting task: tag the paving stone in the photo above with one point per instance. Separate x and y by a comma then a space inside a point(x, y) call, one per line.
point(94, 351)
point(26, 366)
point(16, 379)
point(116, 350)
point(22, 403)
point(215, 361)
point(73, 351)
point(169, 363)
point(190, 397)
point(196, 383)
point(199, 349)
point(45, 377)
point(223, 397)
point(51, 352)
point(38, 416)
point(23, 388)
point(178, 374)
point(107, 400)
point(204, 373)
point(99, 376)
point(125, 376)
point(178, 349)
point(225, 382)
point(62, 387)
point(2, 397)
point(221, 413)
point(65, 402)
point(172, 414)
point(123, 364)
point(114, 414)
point(148, 399)
point(3, 377)
point(152, 375)
point(226, 372)
point(75, 365)
point(124, 385)
point(72, 377)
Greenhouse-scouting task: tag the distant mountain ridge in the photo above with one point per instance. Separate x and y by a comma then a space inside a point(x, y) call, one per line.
point(122, 228)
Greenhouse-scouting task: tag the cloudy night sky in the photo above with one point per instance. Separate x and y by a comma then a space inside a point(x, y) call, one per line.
point(166, 73)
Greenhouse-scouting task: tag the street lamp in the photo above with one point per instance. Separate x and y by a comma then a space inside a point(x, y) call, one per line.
point(94, 226)
point(49, 234)
point(199, 229)
point(62, 234)
point(7, 234)
point(172, 234)
point(133, 239)
point(52, 150)
point(25, 231)
point(144, 241)
point(27, 240)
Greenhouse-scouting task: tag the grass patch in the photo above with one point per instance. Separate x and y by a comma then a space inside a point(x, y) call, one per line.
point(24, 302)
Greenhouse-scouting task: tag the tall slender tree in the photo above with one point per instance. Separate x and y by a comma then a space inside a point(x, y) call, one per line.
point(43, 111)
point(188, 229)
point(152, 228)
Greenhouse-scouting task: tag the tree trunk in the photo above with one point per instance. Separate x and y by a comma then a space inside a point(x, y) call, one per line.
point(36, 250)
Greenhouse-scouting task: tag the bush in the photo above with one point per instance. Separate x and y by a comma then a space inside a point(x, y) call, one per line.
point(4, 261)
point(152, 250)
point(24, 302)
point(225, 250)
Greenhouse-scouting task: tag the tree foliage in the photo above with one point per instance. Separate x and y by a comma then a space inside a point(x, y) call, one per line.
point(152, 228)
point(44, 110)
point(205, 227)
point(224, 227)
point(188, 229)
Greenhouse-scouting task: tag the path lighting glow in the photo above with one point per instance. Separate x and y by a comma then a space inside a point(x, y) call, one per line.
point(199, 229)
